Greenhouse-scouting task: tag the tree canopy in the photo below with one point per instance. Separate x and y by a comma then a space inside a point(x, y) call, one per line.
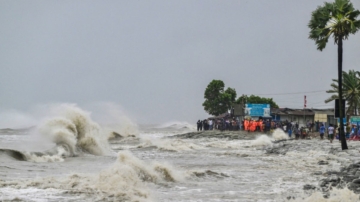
point(351, 89)
point(218, 101)
point(256, 100)
point(337, 19)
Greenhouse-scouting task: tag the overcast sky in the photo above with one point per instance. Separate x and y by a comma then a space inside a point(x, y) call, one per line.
point(155, 58)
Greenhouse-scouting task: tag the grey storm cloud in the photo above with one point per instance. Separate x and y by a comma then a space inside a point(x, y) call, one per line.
point(155, 58)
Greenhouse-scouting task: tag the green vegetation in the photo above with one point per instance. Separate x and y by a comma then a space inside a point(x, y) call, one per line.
point(337, 19)
point(256, 100)
point(218, 101)
point(351, 91)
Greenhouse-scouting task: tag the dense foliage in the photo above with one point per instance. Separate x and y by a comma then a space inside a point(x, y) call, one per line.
point(256, 100)
point(339, 20)
point(351, 89)
point(218, 101)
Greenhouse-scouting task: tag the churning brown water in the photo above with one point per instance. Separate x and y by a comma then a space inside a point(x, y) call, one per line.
point(69, 157)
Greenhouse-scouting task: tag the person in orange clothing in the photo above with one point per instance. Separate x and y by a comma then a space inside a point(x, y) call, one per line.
point(255, 123)
point(260, 124)
point(246, 124)
point(253, 126)
point(250, 125)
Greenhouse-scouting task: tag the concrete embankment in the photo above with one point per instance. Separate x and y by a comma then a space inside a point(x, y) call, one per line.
point(236, 135)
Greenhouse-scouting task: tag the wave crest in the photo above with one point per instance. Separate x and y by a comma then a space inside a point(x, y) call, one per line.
point(74, 128)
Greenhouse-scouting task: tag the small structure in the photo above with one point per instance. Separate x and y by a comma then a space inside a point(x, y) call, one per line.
point(302, 116)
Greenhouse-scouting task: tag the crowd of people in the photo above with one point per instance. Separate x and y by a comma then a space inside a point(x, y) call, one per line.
point(352, 132)
point(248, 124)
point(218, 124)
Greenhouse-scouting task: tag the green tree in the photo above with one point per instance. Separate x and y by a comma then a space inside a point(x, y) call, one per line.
point(256, 100)
point(218, 101)
point(351, 91)
point(339, 20)
point(232, 93)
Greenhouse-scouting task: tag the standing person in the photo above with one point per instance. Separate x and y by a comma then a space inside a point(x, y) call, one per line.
point(220, 124)
point(246, 124)
point(312, 126)
point(348, 130)
point(227, 124)
point(289, 132)
point(331, 131)
point(358, 133)
point(297, 133)
point(198, 125)
point(210, 124)
point(322, 131)
point(317, 126)
point(267, 126)
point(250, 125)
point(302, 132)
point(352, 133)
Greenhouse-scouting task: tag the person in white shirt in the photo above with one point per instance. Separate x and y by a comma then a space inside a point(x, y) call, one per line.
point(210, 124)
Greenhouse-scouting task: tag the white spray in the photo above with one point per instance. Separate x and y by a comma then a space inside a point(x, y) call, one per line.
point(73, 127)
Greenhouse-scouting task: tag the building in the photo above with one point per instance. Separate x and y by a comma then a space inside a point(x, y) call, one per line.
point(302, 116)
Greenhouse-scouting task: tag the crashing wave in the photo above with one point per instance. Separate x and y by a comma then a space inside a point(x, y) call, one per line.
point(123, 181)
point(56, 154)
point(169, 144)
point(177, 125)
point(264, 140)
point(279, 134)
point(73, 127)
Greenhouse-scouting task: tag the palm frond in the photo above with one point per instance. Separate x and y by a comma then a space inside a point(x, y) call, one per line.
point(338, 19)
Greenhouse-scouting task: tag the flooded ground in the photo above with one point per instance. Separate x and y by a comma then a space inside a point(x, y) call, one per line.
point(159, 165)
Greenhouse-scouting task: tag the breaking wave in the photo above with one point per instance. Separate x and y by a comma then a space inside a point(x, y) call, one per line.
point(73, 127)
point(56, 154)
point(177, 125)
point(124, 130)
point(123, 181)
point(169, 144)
point(279, 134)
point(264, 140)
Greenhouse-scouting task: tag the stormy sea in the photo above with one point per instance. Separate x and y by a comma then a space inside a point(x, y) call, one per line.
point(70, 157)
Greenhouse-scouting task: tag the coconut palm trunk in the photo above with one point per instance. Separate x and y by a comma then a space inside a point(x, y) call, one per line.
point(341, 108)
point(337, 20)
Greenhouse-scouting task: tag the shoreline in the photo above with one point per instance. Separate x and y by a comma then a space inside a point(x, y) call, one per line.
point(347, 175)
point(233, 135)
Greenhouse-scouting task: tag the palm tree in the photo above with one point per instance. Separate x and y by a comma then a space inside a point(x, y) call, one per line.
point(351, 91)
point(337, 19)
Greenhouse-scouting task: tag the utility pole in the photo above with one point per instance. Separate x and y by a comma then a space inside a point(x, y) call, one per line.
point(304, 109)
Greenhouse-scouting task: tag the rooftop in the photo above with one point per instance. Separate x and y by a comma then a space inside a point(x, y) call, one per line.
point(306, 111)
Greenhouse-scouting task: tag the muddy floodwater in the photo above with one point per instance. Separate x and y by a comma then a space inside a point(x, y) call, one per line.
point(81, 161)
